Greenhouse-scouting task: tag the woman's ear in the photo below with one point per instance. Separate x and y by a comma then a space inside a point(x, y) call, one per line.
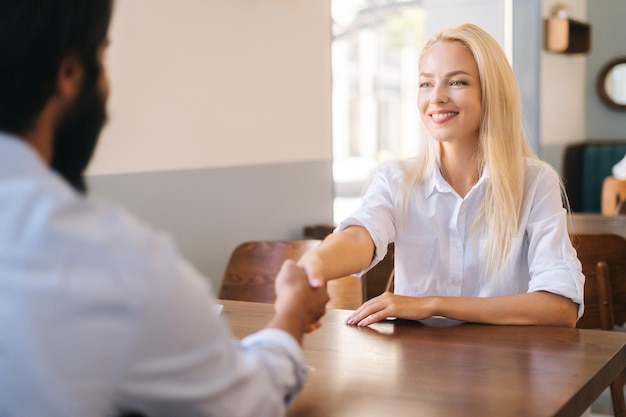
point(69, 78)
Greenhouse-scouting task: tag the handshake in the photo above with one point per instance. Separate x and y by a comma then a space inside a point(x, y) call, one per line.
point(300, 301)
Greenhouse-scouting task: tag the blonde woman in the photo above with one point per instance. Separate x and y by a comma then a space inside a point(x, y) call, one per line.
point(478, 221)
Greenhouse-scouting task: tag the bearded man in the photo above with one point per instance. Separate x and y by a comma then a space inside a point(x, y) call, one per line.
point(99, 313)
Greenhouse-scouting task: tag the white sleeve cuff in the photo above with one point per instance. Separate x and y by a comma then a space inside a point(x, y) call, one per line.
point(279, 340)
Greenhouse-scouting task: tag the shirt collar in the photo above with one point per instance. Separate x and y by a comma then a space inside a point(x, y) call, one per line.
point(17, 156)
point(436, 182)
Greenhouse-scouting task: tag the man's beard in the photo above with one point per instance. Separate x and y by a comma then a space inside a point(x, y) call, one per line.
point(77, 135)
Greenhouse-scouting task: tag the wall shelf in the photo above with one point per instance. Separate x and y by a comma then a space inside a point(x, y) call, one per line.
point(564, 35)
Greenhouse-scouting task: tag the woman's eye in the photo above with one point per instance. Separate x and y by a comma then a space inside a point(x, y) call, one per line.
point(425, 84)
point(458, 82)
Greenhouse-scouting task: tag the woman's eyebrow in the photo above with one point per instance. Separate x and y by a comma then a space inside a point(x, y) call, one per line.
point(450, 74)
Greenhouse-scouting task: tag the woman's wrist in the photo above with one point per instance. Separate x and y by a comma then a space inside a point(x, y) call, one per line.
point(436, 306)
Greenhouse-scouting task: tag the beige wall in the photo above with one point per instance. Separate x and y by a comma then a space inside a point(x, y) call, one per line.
point(563, 87)
point(214, 83)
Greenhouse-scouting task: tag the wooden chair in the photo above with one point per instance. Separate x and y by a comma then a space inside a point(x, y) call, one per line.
point(603, 259)
point(253, 266)
point(380, 278)
point(613, 192)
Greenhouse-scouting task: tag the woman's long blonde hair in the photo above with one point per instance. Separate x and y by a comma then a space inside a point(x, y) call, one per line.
point(502, 144)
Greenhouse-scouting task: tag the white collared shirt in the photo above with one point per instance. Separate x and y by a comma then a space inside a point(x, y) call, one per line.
point(100, 313)
point(435, 254)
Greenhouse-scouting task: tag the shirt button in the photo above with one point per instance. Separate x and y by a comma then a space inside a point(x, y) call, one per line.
point(456, 282)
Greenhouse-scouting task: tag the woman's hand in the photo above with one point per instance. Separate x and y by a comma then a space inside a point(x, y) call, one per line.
point(389, 305)
point(534, 308)
point(312, 265)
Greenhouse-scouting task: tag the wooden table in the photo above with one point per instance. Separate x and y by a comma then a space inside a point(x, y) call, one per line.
point(597, 223)
point(409, 369)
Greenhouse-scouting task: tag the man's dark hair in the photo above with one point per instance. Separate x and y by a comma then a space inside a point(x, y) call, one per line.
point(35, 36)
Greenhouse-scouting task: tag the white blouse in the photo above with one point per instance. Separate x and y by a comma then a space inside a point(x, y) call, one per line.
point(435, 253)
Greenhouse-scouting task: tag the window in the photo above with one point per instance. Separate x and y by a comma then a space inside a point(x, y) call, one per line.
point(374, 62)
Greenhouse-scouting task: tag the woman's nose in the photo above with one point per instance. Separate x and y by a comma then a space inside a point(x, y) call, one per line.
point(439, 94)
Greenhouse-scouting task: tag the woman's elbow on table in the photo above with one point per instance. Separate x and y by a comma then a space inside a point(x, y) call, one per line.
point(563, 312)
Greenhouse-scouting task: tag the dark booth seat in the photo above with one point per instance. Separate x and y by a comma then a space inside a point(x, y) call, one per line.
point(585, 166)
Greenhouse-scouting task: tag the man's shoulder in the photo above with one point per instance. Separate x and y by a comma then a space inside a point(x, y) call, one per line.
point(108, 232)
point(56, 222)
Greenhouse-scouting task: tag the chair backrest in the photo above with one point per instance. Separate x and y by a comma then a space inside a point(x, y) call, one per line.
point(380, 278)
point(603, 259)
point(253, 266)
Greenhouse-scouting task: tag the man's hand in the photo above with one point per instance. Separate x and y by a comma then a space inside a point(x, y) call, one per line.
point(298, 306)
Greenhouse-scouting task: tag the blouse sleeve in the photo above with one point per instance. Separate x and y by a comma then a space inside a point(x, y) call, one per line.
point(377, 211)
point(552, 261)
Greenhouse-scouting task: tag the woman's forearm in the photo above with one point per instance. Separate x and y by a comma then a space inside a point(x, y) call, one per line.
point(537, 308)
point(340, 254)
